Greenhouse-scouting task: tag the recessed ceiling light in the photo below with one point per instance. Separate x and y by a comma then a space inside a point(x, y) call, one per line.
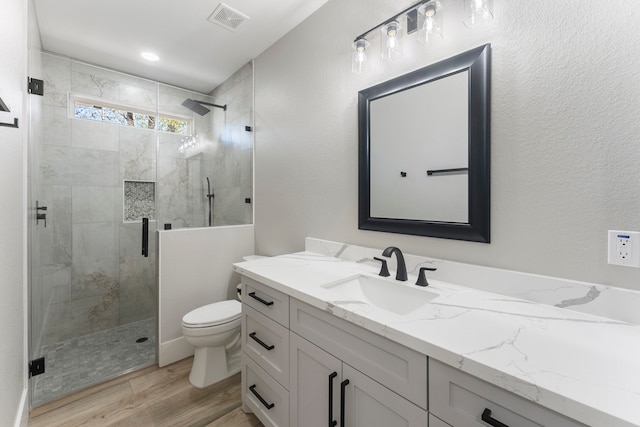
point(150, 56)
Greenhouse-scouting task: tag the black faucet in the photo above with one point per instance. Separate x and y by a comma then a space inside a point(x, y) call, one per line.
point(401, 273)
point(422, 277)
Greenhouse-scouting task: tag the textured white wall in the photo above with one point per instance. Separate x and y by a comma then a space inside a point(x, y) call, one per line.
point(13, 56)
point(565, 150)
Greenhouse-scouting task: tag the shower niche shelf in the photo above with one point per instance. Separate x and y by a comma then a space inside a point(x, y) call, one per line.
point(139, 200)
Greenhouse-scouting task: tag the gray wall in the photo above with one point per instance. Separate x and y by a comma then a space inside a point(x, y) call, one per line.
point(13, 51)
point(565, 108)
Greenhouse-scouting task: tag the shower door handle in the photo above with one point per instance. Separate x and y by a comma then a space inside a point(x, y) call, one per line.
point(145, 237)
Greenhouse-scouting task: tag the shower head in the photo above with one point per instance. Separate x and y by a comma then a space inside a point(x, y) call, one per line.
point(199, 106)
point(195, 106)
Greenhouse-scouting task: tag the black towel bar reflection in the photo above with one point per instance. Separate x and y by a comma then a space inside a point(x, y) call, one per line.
point(145, 237)
point(452, 171)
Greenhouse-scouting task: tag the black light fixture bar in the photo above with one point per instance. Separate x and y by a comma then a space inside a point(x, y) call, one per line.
point(393, 18)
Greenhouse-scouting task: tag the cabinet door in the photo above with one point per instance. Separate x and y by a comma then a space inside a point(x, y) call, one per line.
point(315, 375)
point(369, 404)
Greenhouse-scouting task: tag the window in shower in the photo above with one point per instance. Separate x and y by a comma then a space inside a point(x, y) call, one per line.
point(99, 110)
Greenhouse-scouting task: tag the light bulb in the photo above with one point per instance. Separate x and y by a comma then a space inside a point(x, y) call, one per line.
point(359, 58)
point(390, 40)
point(430, 21)
point(478, 12)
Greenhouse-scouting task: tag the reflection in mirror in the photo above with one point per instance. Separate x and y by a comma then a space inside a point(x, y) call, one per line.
point(431, 135)
point(424, 151)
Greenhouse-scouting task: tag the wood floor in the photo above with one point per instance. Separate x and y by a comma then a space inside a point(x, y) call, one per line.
point(150, 397)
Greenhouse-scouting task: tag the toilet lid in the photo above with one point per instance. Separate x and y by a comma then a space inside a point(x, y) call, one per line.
point(213, 314)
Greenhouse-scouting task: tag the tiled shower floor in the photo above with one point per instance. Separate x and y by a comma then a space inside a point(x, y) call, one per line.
point(80, 362)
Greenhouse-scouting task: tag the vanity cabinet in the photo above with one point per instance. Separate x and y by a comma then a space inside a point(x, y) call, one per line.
point(463, 400)
point(324, 391)
point(303, 366)
point(265, 353)
point(395, 366)
point(337, 372)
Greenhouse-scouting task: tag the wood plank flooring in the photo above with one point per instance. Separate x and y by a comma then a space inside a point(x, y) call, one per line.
point(150, 397)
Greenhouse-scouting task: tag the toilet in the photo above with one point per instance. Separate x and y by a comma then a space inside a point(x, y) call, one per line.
point(214, 330)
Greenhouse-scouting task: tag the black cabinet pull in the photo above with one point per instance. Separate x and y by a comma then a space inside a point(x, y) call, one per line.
point(259, 341)
point(264, 402)
point(265, 302)
point(332, 422)
point(343, 386)
point(487, 418)
point(145, 237)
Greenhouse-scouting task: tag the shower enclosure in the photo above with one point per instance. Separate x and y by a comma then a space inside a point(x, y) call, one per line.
point(106, 150)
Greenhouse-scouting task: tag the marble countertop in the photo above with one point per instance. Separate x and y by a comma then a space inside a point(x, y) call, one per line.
point(581, 365)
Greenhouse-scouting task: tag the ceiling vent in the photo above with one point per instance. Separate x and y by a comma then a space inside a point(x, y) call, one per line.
point(227, 17)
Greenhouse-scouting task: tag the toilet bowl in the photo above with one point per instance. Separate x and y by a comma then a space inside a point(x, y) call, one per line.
point(214, 331)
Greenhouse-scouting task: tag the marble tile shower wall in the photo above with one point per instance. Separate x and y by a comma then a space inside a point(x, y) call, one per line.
point(235, 151)
point(92, 275)
point(224, 155)
point(181, 192)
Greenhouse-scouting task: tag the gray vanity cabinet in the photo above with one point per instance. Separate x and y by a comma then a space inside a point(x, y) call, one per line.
point(265, 353)
point(319, 381)
point(462, 400)
point(379, 382)
point(315, 377)
point(301, 363)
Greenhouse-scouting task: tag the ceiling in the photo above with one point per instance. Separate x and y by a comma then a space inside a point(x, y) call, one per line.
point(194, 53)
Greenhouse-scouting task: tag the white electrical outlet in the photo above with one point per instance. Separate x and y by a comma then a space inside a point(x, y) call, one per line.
point(624, 248)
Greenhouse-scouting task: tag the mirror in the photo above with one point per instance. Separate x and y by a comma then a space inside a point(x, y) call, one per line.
point(424, 151)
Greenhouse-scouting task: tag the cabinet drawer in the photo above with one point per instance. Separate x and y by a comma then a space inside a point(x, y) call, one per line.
point(460, 399)
point(436, 422)
point(271, 303)
point(397, 367)
point(261, 394)
point(267, 343)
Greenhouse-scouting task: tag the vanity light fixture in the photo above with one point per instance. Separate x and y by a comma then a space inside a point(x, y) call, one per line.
point(391, 40)
point(391, 32)
point(478, 12)
point(188, 142)
point(424, 17)
point(359, 57)
point(430, 21)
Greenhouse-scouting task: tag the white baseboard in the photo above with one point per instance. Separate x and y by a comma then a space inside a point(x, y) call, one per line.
point(174, 350)
point(22, 415)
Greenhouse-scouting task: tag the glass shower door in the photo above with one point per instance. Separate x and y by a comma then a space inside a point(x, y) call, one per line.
point(93, 294)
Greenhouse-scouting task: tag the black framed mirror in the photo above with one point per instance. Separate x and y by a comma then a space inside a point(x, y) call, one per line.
point(424, 142)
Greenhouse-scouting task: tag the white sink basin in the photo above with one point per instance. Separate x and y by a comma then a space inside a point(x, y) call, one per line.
point(386, 294)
